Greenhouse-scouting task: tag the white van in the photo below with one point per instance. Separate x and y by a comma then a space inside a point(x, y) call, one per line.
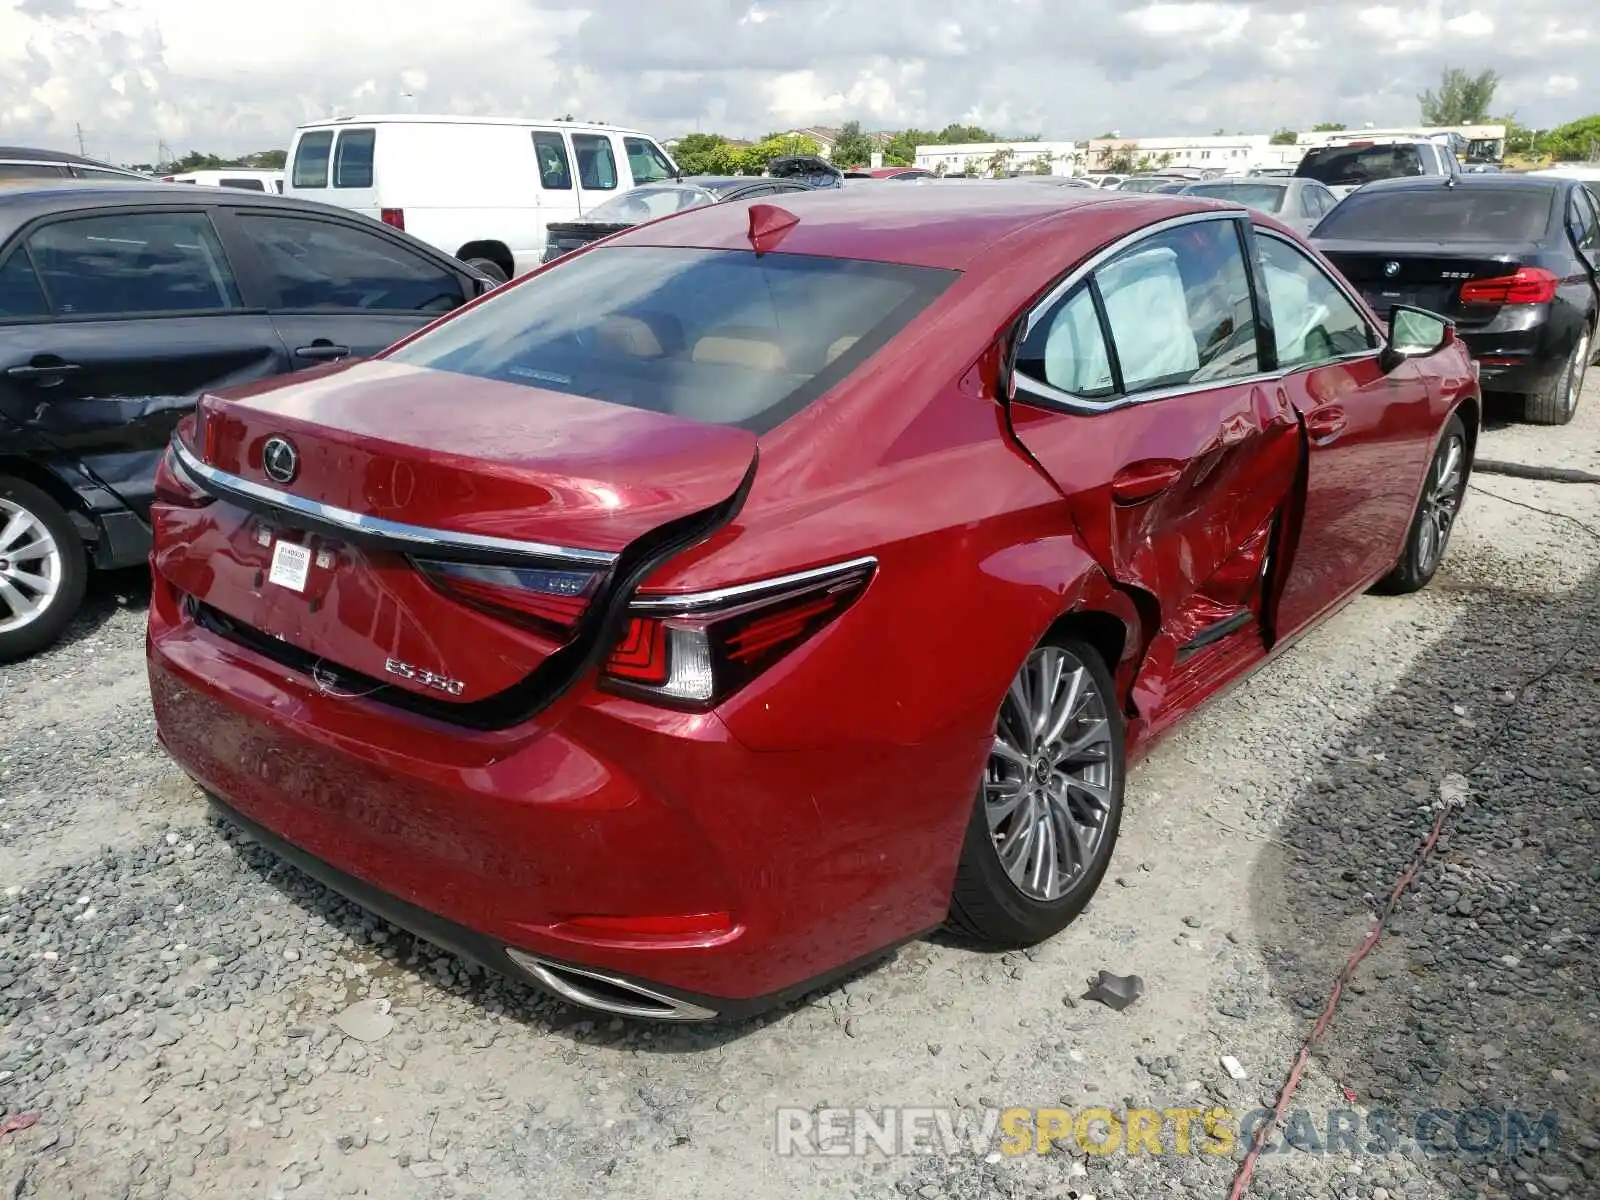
point(480, 188)
point(248, 178)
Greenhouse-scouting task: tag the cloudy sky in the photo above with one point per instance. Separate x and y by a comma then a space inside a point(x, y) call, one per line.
point(229, 75)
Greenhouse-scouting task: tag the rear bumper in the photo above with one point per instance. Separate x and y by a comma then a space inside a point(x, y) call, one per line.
point(1523, 360)
point(605, 808)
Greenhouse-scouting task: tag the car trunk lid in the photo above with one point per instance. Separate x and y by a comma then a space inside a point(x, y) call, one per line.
point(1422, 275)
point(415, 503)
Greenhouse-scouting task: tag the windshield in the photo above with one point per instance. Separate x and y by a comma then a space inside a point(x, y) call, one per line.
point(1455, 214)
point(647, 203)
point(722, 336)
point(1340, 166)
point(1259, 196)
point(1141, 185)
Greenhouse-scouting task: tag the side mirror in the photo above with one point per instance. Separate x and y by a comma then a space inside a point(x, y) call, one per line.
point(1414, 333)
point(483, 285)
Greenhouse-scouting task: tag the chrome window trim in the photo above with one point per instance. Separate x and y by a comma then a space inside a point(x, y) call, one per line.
point(1040, 390)
point(688, 603)
point(359, 523)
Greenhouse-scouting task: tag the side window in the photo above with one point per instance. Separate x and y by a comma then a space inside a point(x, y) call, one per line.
point(133, 263)
point(555, 174)
point(319, 266)
point(1179, 308)
point(1312, 320)
point(20, 293)
point(311, 159)
point(31, 171)
point(1585, 219)
point(1067, 349)
point(247, 185)
point(597, 165)
point(646, 161)
point(352, 160)
point(98, 176)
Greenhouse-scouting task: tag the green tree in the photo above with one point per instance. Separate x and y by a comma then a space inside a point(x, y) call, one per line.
point(1284, 137)
point(955, 135)
point(753, 160)
point(852, 148)
point(998, 164)
point(1576, 141)
point(702, 154)
point(1328, 127)
point(1462, 98)
point(1043, 164)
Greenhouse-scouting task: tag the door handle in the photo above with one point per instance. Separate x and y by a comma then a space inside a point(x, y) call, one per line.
point(1326, 422)
point(1146, 480)
point(321, 351)
point(43, 366)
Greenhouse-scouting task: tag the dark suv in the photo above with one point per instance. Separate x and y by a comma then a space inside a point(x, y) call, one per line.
point(1342, 167)
point(119, 303)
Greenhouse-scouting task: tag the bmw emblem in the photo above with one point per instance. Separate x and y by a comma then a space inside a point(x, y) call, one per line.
point(280, 460)
point(1391, 269)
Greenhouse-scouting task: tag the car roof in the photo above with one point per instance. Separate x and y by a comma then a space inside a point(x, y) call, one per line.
point(32, 154)
point(1467, 180)
point(449, 119)
point(947, 228)
point(24, 200)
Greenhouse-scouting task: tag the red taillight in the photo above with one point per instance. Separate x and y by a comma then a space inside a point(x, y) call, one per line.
point(547, 599)
point(1530, 285)
point(393, 216)
point(697, 656)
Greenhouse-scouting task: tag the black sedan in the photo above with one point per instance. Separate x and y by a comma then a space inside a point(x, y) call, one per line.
point(1513, 260)
point(119, 303)
point(655, 200)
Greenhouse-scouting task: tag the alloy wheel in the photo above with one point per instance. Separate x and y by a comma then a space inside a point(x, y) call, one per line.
point(1049, 787)
point(30, 566)
point(1441, 500)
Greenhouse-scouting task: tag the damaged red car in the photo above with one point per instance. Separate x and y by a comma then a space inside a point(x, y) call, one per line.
point(703, 615)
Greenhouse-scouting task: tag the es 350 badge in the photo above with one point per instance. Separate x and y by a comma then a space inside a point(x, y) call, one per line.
point(439, 683)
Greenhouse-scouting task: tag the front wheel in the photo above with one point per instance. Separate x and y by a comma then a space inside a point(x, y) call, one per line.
point(43, 569)
point(1435, 516)
point(1047, 812)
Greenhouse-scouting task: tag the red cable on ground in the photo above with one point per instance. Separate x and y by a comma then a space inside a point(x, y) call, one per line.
point(1241, 1181)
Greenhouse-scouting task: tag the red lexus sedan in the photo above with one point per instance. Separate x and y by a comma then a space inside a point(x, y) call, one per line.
point(744, 595)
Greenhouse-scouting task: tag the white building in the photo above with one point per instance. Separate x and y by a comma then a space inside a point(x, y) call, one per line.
point(1002, 158)
point(1231, 153)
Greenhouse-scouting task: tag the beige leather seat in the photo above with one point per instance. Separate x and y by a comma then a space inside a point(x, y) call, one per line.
point(839, 347)
point(635, 336)
point(736, 346)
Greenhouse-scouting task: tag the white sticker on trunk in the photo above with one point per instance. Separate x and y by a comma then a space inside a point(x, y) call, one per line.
point(290, 566)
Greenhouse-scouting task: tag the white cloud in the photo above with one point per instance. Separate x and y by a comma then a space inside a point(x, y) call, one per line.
point(225, 76)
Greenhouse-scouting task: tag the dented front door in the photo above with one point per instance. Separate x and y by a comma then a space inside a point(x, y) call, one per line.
point(1177, 456)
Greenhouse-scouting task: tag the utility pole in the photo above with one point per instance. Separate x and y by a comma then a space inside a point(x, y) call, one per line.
point(81, 151)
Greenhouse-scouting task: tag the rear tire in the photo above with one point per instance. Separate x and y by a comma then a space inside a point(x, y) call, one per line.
point(1045, 820)
point(43, 569)
point(1555, 404)
point(1435, 515)
point(486, 266)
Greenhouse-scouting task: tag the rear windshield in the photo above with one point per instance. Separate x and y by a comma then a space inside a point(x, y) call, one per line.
point(1443, 214)
point(1259, 196)
point(714, 335)
point(647, 203)
point(1341, 166)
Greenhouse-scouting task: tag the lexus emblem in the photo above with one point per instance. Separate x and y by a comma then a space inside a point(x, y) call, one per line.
point(280, 460)
point(1391, 269)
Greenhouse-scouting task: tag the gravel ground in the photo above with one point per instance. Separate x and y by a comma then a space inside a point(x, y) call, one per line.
point(173, 1000)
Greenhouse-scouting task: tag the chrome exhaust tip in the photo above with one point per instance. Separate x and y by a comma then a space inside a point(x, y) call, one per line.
point(607, 993)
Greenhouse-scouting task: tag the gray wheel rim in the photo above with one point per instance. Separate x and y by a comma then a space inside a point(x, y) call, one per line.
point(30, 567)
point(1441, 499)
point(1049, 788)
